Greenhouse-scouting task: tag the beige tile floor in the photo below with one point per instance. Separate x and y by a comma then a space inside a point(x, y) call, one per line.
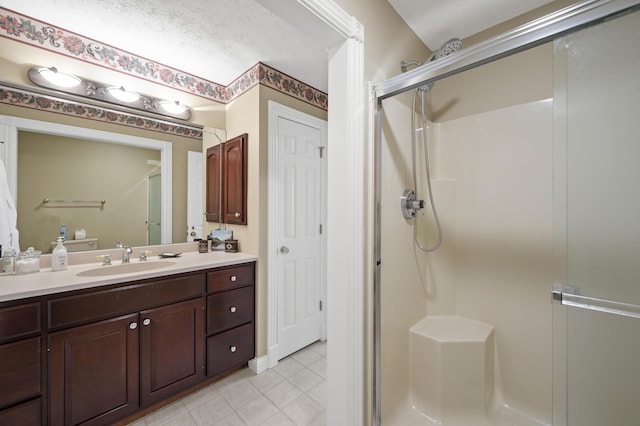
point(291, 394)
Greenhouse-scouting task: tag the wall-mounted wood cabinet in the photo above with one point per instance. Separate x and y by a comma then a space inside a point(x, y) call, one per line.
point(227, 182)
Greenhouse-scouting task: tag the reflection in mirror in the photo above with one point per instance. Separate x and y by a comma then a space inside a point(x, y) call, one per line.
point(76, 175)
point(77, 169)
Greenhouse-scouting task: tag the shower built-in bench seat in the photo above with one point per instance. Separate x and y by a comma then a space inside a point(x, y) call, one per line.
point(452, 369)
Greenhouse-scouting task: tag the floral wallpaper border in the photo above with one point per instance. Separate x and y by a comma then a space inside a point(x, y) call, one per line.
point(40, 34)
point(41, 102)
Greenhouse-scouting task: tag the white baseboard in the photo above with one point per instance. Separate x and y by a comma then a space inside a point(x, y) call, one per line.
point(258, 365)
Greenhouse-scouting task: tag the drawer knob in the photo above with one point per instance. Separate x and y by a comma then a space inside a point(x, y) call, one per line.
point(233, 278)
point(232, 309)
point(133, 325)
point(233, 348)
point(146, 321)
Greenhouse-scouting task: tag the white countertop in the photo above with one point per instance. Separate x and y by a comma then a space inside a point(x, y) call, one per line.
point(13, 287)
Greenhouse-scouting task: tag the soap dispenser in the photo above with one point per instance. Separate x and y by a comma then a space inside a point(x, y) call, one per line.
point(59, 256)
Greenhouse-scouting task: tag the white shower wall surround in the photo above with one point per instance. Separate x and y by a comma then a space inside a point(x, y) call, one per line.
point(492, 180)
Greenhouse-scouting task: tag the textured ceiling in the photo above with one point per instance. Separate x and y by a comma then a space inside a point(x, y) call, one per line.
point(217, 40)
point(436, 21)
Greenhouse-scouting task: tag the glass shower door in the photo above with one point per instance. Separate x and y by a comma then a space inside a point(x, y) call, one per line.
point(597, 225)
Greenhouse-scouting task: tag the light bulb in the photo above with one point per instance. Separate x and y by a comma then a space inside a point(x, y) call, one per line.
point(60, 79)
point(174, 107)
point(122, 94)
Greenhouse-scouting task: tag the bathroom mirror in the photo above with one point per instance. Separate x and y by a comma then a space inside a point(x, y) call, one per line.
point(114, 187)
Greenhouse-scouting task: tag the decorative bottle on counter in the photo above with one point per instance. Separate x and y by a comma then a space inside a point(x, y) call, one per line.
point(59, 256)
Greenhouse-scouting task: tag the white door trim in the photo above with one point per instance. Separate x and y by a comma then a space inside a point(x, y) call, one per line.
point(276, 111)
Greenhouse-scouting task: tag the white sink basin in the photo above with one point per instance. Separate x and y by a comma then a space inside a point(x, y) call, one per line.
point(125, 268)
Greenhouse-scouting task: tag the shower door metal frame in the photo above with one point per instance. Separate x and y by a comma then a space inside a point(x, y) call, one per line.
point(534, 33)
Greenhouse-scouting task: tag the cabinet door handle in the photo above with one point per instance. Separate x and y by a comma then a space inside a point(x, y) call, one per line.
point(146, 321)
point(232, 309)
point(133, 325)
point(233, 278)
point(233, 348)
point(237, 214)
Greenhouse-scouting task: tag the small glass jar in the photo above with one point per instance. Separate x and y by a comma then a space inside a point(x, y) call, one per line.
point(9, 261)
point(28, 261)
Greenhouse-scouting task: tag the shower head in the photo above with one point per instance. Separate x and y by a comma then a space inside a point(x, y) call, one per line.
point(449, 47)
point(446, 49)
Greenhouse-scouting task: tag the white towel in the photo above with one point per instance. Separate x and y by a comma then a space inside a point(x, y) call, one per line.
point(8, 215)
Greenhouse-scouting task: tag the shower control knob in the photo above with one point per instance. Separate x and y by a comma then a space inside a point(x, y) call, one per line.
point(409, 204)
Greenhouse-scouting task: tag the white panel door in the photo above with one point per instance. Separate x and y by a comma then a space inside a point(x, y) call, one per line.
point(299, 235)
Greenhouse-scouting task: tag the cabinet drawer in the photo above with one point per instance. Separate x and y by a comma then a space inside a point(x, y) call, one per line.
point(229, 309)
point(230, 349)
point(21, 320)
point(20, 371)
point(117, 301)
point(230, 277)
point(27, 414)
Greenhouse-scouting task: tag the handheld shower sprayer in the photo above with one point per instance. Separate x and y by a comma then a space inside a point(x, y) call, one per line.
point(409, 202)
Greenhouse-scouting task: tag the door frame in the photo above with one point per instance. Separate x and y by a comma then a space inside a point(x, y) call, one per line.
point(277, 111)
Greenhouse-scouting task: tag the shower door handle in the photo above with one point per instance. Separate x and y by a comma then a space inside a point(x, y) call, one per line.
point(284, 249)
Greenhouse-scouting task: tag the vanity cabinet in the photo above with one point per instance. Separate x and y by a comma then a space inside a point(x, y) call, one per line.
point(101, 355)
point(226, 200)
point(230, 318)
point(107, 369)
point(20, 364)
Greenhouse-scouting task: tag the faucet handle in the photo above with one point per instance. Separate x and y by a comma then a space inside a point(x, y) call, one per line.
point(143, 255)
point(106, 259)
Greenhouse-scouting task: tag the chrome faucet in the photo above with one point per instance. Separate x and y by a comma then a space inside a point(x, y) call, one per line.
point(126, 251)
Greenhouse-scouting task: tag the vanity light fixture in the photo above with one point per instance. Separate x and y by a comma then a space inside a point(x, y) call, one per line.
point(52, 78)
point(58, 78)
point(122, 94)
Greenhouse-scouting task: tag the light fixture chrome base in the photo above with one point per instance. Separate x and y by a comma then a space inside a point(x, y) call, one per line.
point(409, 204)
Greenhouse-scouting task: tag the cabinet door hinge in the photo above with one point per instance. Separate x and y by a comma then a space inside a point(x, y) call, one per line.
point(321, 305)
point(320, 229)
point(321, 148)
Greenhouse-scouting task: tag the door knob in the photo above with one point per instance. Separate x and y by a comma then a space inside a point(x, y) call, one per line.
point(284, 249)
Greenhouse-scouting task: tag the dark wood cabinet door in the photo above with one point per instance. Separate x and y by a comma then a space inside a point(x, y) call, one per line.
point(227, 181)
point(93, 372)
point(20, 371)
point(214, 184)
point(171, 349)
point(26, 414)
point(234, 188)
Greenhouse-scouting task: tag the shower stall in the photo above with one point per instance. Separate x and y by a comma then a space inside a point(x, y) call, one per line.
point(514, 163)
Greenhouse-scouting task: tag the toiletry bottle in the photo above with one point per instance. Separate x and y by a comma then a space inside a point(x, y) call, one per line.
point(59, 256)
point(63, 232)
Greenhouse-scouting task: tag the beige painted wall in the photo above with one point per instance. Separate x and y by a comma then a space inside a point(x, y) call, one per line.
point(249, 114)
point(61, 168)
